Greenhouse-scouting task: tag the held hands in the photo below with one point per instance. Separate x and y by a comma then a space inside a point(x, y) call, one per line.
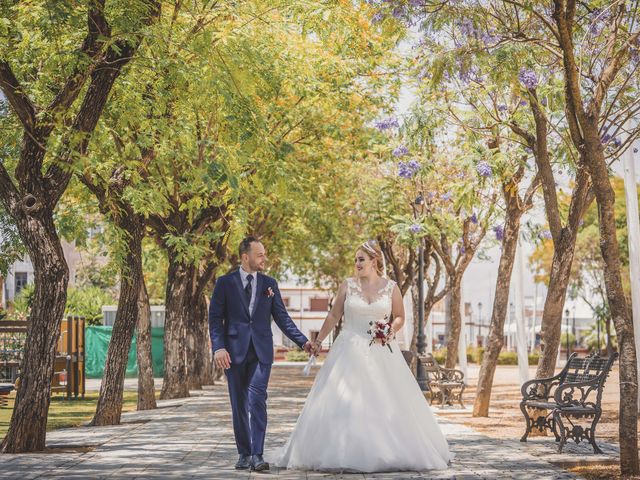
point(222, 359)
point(312, 348)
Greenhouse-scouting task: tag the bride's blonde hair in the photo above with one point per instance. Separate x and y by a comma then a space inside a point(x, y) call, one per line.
point(372, 250)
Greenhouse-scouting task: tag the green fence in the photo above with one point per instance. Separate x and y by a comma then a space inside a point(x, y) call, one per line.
point(97, 342)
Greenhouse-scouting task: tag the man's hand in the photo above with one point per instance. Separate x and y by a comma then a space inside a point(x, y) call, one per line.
point(222, 359)
point(308, 347)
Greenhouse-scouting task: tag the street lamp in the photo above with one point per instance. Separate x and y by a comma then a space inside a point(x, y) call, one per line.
point(421, 374)
point(566, 313)
point(480, 321)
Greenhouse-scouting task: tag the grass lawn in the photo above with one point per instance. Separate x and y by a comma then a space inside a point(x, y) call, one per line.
point(67, 413)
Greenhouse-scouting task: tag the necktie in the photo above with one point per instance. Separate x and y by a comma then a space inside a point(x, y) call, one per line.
point(247, 289)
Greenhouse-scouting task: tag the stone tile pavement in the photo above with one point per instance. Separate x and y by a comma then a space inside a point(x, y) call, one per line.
point(192, 439)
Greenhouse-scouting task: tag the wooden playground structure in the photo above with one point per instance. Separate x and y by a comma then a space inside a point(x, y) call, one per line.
point(69, 364)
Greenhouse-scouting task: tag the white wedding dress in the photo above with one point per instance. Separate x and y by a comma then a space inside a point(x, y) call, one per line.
point(365, 411)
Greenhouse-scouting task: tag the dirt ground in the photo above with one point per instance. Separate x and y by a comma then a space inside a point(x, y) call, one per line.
point(505, 418)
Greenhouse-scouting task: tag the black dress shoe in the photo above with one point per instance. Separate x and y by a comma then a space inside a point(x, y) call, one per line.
point(244, 462)
point(258, 464)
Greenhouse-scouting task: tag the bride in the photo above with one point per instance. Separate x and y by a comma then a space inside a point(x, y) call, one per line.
point(365, 411)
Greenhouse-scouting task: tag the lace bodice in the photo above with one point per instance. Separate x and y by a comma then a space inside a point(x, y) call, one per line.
point(358, 312)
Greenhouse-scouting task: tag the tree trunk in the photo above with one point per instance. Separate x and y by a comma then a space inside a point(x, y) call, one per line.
point(146, 386)
point(200, 367)
point(175, 383)
point(499, 312)
point(455, 322)
point(193, 322)
point(109, 406)
point(618, 307)
point(27, 430)
point(207, 374)
point(550, 327)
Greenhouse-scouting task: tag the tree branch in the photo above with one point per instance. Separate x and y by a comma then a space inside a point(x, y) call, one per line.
point(18, 99)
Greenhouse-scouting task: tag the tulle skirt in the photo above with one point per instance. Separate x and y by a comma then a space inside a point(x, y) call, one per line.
point(365, 413)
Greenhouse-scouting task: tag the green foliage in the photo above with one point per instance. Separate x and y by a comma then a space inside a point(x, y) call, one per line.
point(564, 337)
point(87, 302)
point(11, 247)
point(23, 301)
point(296, 356)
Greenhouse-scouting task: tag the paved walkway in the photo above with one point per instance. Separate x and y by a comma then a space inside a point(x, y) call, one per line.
point(192, 438)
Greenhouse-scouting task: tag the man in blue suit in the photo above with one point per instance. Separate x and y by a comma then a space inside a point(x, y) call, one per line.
point(242, 305)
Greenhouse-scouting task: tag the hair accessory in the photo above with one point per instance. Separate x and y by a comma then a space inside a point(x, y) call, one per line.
point(369, 248)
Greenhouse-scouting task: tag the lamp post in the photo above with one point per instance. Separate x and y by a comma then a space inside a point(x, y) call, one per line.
point(480, 322)
point(573, 328)
point(420, 374)
point(566, 313)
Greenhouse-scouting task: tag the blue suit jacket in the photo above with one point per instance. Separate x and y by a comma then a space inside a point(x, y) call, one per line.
point(232, 326)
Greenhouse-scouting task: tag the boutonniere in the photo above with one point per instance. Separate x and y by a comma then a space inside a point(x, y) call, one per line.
point(269, 292)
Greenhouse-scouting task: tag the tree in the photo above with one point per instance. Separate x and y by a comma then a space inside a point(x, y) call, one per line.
point(42, 81)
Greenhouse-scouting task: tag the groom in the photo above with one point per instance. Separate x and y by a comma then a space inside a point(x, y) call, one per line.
point(242, 305)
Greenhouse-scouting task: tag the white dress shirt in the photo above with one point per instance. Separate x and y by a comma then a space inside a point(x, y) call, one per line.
point(254, 286)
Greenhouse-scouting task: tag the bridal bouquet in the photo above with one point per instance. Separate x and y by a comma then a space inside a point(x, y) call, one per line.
point(381, 331)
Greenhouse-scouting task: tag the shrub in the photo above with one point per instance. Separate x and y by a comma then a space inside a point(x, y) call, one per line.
point(440, 355)
point(87, 302)
point(296, 356)
point(508, 358)
point(475, 354)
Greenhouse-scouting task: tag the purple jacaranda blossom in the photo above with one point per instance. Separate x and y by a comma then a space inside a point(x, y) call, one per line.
point(484, 169)
point(414, 164)
point(387, 123)
point(415, 228)
point(544, 102)
point(467, 28)
point(617, 142)
point(430, 195)
point(635, 150)
point(471, 74)
point(446, 196)
point(400, 151)
point(499, 231)
point(528, 150)
point(528, 78)
point(489, 38)
point(377, 18)
point(546, 235)
point(408, 169)
point(424, 74)
point(606, 138)
point(416, 3)
point(523, 103)
point(502, 108)
point(598, 18)
point(399, 12)
point(462, 249)
point(474, 218)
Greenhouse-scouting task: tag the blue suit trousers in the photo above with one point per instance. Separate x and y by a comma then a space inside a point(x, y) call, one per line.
point(248, 383)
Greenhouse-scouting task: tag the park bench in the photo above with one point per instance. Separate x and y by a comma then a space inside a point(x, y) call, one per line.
point(444, 384)
point(572, 395)
point(5, 390)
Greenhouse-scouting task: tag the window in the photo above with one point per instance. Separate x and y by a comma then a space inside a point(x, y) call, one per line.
point(21, 281)
point(319, 304)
